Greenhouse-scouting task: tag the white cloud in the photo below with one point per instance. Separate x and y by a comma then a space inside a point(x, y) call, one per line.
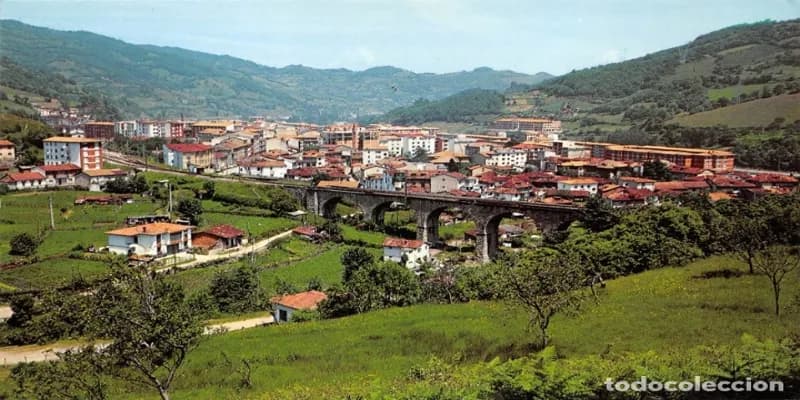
point(611, 56)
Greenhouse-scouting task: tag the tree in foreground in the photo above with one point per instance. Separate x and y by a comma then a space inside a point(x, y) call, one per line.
point(151, 327)
point(151, 330)
point(544, 282)
point(353, 259)
point(776, 263)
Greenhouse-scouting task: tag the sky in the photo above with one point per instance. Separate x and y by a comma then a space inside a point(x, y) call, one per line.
point(423, 36)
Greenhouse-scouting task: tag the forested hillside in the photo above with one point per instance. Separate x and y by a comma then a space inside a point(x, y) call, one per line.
point(473, 105)
point(144, 80)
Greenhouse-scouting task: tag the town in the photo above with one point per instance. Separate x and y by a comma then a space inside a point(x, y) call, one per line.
point(394, 200)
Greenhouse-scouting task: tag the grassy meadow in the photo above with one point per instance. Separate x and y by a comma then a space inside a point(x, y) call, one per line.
point(756, 113)
point(663, 310)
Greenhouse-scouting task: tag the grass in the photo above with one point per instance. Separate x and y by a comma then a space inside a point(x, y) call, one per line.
point(731, 92)
point(52, 273)
point(658, 311)
point(374, 239)
point(756, 113)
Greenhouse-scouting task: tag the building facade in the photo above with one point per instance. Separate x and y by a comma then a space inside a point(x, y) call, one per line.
point(86, 153)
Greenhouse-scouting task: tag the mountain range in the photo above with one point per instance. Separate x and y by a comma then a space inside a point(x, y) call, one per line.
point(166, 82)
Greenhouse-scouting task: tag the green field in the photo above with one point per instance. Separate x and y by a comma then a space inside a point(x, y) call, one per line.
point(731, 92)
point(662, 311)
point(756, 113)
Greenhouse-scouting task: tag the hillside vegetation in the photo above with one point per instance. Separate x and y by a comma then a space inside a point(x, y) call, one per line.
point(144, 80)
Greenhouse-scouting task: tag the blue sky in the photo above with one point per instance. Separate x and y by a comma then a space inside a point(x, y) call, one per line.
point(423, 36)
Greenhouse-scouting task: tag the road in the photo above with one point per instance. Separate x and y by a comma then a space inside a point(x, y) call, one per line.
point(243, 251)
point(11, 355)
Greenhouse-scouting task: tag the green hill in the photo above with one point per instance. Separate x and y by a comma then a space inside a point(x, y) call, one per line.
point(735, 65)
point(144, 80)
point(754, 113)
point(661, 311)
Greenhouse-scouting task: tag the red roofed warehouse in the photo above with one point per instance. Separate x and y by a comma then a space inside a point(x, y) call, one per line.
point(218, 238)
point(284, 306)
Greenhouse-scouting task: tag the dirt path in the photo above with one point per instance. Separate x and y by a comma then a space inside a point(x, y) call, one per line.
point(11, 355)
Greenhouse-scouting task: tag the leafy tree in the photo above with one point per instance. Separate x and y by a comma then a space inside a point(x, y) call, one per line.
point(452, 165)
point(747, 236)
point(598, 214)
point(331, 230)
point(238, 290)
point(150, 325)
point(191, 209)
point(544, 282)
point(281, 202)
point(209, 188)
point(656, 170)
point(353, 259)
point(420, 155)
point(78, 374)
point(23, 308)
point(23, 244)
point(776, 263)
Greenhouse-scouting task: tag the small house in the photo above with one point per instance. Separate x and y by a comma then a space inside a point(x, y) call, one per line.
point(218, 238)
point(284, 306)
point(410, 252)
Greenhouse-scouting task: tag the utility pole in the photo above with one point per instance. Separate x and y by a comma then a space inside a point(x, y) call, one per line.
point(52, 219)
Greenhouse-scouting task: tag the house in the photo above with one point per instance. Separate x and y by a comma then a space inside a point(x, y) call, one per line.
point(678, 187)
point(307, 232)
point(447, 182)
point(263, 168)
point(96, 180)
point(284, 306)
point(768, 181)
point(410, 252)
point(155, 239)
point(510, 157)
point(59, 175)
point(7, 152)
point(382, 182)
point(372, 154)
point(218, 238)
point(191, 157)
point(84, 152)
point(580, 184)
point(632, 182)
point(24, 180)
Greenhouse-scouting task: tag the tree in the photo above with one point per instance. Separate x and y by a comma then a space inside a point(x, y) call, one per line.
point(78, 374)
point(238, 290)
point(598, 214)
point(23, 244)
point(209, 188)
point(331, 230)
point(747, 236)
point(150, 325)
point(281, 202)
point(23, 308)
point(191, 209)
point(420, 155)
point(353, 259)
point(452, 165)
point(776, 263)
point(544, 282)
point(656, 170)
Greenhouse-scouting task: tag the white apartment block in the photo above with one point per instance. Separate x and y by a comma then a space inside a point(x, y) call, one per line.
point(83, 152)
point(372, 155)
point(507, 158)
point(412, 143)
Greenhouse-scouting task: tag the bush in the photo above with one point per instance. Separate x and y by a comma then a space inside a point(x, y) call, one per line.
point(23, 244)
point(238, 291)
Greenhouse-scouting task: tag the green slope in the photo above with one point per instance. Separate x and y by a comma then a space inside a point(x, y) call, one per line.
point(156, 81)
point(754, 113)
point(661, 310)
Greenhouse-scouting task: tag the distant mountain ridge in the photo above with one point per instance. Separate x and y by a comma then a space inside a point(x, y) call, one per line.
point(154, 81)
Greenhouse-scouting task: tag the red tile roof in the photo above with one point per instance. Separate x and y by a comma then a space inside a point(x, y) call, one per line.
point(4, 142)
point(403, 243)
point(680, 186)
point(188, 147)
point(23, 177)
point(307, 230)
point(60, 168)
point(224, 231)
point(772, 178)
point(301, 301)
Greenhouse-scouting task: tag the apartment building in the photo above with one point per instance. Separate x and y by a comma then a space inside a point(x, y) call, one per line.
point(195, 158)
point(716, 160)
point(99, 130)
point(86, 153)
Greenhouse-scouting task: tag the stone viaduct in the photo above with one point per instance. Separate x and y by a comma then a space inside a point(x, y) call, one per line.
point(486, 213)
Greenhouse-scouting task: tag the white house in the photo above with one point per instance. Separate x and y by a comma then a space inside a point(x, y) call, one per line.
point(24, 180)
point(412, 252)
point(371, 155)
point(633, 182)
point(96, 180)
point(579, 184)
point(155, 239)
point(516, 158)
point(266, 168)
point(284, 306)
